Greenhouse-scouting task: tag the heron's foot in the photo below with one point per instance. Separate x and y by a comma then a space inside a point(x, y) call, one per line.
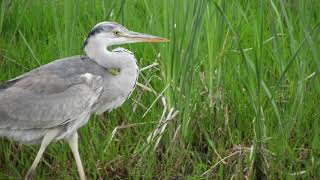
point(29, 175)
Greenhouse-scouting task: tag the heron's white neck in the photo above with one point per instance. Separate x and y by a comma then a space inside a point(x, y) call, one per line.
point(97, 50)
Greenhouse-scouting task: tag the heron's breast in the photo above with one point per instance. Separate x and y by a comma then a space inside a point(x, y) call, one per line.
point(117, 90)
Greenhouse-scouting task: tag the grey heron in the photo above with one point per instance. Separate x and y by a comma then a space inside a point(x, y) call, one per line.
point(52, 102)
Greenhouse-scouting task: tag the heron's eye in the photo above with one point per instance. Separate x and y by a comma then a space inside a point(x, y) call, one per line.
point(116, 33)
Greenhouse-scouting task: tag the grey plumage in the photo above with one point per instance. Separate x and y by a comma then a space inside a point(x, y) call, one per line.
point(53, 101)
point(50, 96)
point(54, 95)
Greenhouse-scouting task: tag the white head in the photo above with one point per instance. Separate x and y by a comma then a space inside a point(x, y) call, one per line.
point(111, 33)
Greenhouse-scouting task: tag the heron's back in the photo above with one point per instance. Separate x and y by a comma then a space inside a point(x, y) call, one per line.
point(60, 95)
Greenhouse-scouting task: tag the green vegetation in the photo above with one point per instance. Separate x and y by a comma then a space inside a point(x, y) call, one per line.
point(234, 94)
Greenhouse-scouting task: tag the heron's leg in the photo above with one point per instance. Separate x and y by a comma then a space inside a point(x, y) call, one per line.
point(73, 143)
point(51, 134)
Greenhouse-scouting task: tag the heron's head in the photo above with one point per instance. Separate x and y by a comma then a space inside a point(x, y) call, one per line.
point(111, 33)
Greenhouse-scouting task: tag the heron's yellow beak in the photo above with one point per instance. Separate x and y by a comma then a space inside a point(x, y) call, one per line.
point(139, 37)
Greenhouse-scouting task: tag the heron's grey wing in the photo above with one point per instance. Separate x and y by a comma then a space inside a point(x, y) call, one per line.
point(44, 99)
